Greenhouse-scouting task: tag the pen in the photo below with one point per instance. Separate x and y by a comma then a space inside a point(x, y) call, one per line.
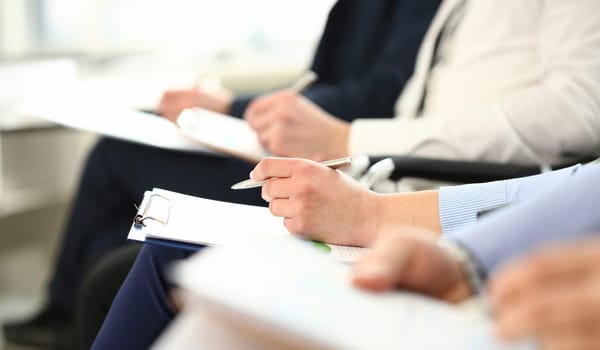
point(304, 82)
point(333, 164)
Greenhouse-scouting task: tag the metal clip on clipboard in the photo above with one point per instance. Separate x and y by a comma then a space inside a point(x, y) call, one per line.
point(154, 207)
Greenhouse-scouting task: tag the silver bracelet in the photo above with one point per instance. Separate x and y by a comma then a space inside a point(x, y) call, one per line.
point(470, 266)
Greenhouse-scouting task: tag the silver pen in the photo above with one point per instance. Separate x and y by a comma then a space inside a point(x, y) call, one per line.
point(333, 164)
point(304, 81)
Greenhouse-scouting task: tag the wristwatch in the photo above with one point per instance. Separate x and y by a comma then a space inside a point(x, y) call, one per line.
point(470, 266)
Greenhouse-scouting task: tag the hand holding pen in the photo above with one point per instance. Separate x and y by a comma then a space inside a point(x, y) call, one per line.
point(333, 164)
point(289, 124)
point(315, 200)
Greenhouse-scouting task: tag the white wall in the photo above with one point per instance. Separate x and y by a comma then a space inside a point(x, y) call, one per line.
point(101, 26)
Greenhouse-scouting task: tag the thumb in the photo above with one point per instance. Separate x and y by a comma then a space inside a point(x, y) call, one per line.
point(375, 274)
point(382, 268)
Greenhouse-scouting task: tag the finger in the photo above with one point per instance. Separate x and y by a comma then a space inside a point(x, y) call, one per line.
point(261, 136)
point(277, 188)
point(259, 122)
point(381, 268)
point(175, 97)
point(294, 227)
point(259, 106)
point(281, 208)
point(275, 167)
point(265, 136)
point(171, 115)
point(552, 265)
point(374, 273)
point(272, 108)
point(278, 139)
point(262, 102)
point(579, 336)
point(550, 308)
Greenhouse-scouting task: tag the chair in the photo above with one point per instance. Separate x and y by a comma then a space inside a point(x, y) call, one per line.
point(462, 171)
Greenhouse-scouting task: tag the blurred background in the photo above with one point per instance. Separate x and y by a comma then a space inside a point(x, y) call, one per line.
point(126, 52)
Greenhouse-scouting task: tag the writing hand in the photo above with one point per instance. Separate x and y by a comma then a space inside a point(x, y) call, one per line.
point(553, 295)
point(174, 101)
point(411, 261)
point(318, 202)
point(288, 124)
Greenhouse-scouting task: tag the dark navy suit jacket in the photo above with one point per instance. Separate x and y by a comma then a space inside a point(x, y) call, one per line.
point(365, 56)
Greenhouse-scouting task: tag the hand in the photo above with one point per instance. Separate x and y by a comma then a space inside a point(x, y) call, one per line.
point(411, 261)
point(318, 202)
point(174, 101)
point(553, 295)
point(288, 124)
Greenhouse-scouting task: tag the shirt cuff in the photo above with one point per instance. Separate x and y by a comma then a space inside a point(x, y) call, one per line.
point(239, 105)
point(460, 206)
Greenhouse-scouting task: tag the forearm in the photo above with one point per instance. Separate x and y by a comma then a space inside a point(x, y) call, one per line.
point(454, 208)
point(400, 211)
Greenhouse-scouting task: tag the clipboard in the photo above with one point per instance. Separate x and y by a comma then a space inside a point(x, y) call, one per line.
point(221, 133)
point(178, 220)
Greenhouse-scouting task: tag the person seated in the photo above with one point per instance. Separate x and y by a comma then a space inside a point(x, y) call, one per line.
point(444, 211)
point(322, 204)
point(541, 261)
point(479, 93)
point(542, 286)
point(499, 92)
point(364, 57)
point(549, 294)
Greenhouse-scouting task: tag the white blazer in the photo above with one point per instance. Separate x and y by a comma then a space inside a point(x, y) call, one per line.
point(519, 82)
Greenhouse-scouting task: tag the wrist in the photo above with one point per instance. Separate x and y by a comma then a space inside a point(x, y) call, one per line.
point(385, 218)
point(373, 222)
point(416, 210)
point(472, 273)
point(341, 141)
point(219, 102)
point(223, 106)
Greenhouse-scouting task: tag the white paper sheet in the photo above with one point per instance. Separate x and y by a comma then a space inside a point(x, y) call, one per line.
point(282, 288)
point(203, 221)
point(78, 111)
point(222, 133)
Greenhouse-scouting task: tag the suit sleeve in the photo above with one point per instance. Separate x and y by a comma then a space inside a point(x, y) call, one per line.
point(239, 105)
point(555, 118)
point(374, 93)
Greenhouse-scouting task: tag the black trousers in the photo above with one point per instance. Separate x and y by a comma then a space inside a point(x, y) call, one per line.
point(100, 286)
point(114, 179)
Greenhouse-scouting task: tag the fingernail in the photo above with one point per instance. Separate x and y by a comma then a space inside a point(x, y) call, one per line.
point(373, 276)
point(251, 176)
point(372, 270)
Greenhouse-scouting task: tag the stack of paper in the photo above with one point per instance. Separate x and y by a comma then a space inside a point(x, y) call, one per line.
point(278, 291)
point(222, 133)
point(86, 113)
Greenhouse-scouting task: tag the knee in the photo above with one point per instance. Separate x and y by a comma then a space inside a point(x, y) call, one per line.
point(157, 260)
point(104, 147)
point(161, 256)
point(105, 277)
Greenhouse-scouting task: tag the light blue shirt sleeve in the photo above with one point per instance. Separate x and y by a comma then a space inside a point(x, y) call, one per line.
point(460, 205)
point(567, 210)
